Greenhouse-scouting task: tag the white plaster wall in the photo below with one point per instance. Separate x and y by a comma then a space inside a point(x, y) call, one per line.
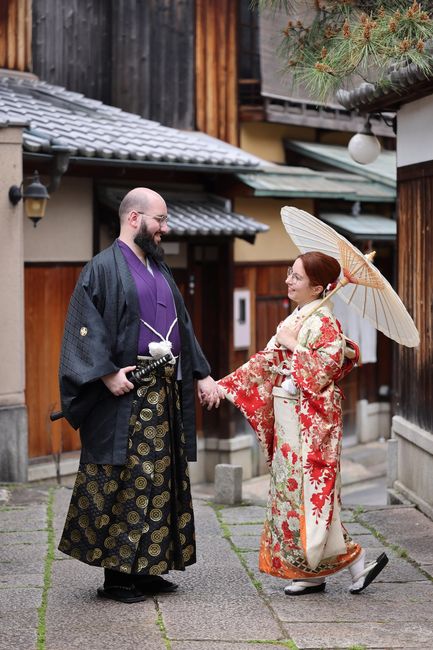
point(415, 132)
point(11, 272)
point(275, 245)
point(65, 234)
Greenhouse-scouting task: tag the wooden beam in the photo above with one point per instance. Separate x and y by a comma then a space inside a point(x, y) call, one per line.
point(212, 90)
point(221, 42)
point(200, 68)
point(232, 131)
point(12, 35)
point(3, 33)
point(21, 36)
point(28, 36)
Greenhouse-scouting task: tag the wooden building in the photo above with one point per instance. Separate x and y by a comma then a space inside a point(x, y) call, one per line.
point(183, 64)
point(411, 448)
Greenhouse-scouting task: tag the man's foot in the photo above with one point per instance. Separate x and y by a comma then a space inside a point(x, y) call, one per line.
point(153, 584)
point(122, 593)
point(301, 587)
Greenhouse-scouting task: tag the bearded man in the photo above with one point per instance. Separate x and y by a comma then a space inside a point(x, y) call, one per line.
point(128, 364)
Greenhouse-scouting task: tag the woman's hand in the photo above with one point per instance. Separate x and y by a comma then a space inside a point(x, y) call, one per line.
point(209, 393)
point(288, 336)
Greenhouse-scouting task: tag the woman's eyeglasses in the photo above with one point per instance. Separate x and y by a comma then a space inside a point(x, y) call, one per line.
point(293, 276)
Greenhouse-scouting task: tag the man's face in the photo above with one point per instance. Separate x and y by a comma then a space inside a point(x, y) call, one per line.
point(153, 226)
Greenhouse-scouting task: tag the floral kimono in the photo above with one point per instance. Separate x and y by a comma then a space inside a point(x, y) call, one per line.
point(293, 403)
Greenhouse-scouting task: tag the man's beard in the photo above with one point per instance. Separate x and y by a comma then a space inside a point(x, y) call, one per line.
point(145, 241)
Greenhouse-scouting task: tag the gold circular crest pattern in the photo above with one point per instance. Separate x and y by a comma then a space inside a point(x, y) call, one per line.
point(133, 529)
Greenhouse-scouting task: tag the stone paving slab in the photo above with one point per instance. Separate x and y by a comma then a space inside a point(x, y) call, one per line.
point(428, 568)
point(243, 514)
point(253, 530)
point(100, 624)
point(19, 581)
point(204, 644)
point(407, 528)
point(23, 519)
point(218, 593)
point(20, 602)
point(246, 542)
point(18, 633)
point(226, 615)
point(96, 623)
point(27, 538)
point(374, 635)
point(354, 529)
point(409, 602)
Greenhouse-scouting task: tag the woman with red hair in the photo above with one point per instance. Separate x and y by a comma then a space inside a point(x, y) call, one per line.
point(290, 395)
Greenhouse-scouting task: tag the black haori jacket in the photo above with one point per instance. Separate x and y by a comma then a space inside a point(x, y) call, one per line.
point(101, 336)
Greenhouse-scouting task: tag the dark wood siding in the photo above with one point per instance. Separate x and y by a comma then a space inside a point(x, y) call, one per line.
point(153, 60)
point(15, 35)
point(137, 55)
point(71, 45)
point(415, 284)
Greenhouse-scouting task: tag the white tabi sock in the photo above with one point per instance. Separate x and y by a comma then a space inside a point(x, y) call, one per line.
point(300, 585)
point(356, 568)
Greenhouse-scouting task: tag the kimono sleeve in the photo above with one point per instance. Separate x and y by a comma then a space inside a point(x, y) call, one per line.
point(86, 353)
point(319, 355)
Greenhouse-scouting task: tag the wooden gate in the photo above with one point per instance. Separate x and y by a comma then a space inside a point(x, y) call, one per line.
point(48, 288)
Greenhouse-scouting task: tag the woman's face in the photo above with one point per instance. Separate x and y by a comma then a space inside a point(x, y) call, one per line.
point(298, 283)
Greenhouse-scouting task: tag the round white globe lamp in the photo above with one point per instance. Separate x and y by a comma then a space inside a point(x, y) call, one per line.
point(364, 147)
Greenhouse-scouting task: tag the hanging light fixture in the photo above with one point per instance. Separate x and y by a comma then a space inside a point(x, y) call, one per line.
point(35, 197)
point(364, 147)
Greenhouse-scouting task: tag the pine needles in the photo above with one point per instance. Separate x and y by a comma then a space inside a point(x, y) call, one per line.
point(335, 42)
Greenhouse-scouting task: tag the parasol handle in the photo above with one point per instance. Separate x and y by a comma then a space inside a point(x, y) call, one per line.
point(341, 283)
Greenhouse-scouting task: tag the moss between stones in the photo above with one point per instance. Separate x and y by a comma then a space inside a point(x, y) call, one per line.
point(42, 610)
point(160, 623)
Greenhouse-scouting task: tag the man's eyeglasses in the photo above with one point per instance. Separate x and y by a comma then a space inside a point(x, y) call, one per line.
point(163, 220)
point(293, 276)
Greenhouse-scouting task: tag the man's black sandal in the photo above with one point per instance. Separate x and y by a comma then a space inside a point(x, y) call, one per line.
point(122, 594)
point(154, 584)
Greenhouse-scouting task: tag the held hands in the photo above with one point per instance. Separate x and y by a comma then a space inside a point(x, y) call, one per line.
point(209, 393)
point(288, 336)
point(117, 382)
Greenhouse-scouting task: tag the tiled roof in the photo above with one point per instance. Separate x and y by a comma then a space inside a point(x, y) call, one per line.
point(303, 182)
point(384, 169)
point(196, 215)
point(93, 130)
point(362, 226)
point(401, 82)
point(195, 218)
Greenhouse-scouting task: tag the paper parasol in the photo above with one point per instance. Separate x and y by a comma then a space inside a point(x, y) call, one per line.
point(362, 285)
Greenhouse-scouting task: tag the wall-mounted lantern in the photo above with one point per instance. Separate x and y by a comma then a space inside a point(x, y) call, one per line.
point(35, 197)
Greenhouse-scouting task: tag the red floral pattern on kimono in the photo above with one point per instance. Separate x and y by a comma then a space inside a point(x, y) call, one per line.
point(303, 535)
point(249, 388)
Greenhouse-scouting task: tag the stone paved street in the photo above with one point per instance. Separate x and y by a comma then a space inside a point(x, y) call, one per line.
point(48, 601)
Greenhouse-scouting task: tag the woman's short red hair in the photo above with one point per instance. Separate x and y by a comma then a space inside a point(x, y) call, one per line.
point(320, 268)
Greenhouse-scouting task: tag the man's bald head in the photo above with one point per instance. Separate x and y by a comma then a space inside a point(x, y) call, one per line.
point(140, 199)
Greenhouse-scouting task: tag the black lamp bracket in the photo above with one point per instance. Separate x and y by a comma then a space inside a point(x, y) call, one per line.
point(15, 194)
point(389, 120)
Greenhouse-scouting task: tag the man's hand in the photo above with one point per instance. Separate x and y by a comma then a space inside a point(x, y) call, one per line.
point(209, 393)
point(117, 382)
